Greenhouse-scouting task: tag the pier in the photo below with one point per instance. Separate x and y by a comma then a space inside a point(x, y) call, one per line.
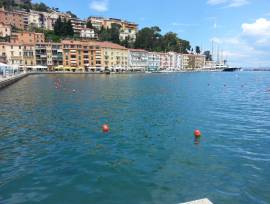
point(4, 82)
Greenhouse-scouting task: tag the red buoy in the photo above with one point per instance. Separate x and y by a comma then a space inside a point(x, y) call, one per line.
point(197, 133)
point(105, 128)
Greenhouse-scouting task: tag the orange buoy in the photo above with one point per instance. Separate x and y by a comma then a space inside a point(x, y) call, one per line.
point(105, 128)
point(197, 133)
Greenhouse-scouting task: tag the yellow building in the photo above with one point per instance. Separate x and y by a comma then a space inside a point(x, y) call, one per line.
point(193, 61)
point(81, 55)
point(29, 57)
point(115, 57)
point(93, 56)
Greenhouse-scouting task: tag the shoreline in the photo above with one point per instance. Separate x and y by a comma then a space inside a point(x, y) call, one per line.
point(4, 82)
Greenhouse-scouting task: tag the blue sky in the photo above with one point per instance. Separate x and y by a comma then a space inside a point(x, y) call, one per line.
point(240, 28)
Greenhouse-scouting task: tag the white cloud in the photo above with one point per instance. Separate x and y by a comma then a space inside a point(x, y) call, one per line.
point(260, 28)
point(258, 32)
point(228, 3)
point(249, 47)
point(99, 5)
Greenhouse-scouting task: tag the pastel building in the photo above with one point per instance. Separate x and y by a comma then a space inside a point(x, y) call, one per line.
point(46, 20)
point(88, 33)
point(78, 25)
point(153, 61)
point(128, 30)
point(193, 61)
point(165, 61)
point(138, 59)
point(115, 57)
point(27, 38)
point(12, 18)
point(82, 56)
point(29, 57)
point(11, 54)
point(5, 30)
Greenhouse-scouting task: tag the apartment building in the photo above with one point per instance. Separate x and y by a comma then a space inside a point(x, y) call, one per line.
point(193, 61)
point(153, 61)
point(165, 61)
point(78, 25)
point(81, 55)
point(93, 56)
point(138, 59)
point(88, 33)
point(199, 61)
point(128, 30)
point(12, 18)
point(29, 57)
point(115, 57)
point(27, 38)
point(11, 54)
point(5, 30)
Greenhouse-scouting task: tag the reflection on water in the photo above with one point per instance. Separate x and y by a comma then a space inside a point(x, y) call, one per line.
point(52, 149)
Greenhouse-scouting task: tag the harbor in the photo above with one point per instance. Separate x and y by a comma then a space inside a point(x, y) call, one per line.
point(138, 102)
point(53, 150)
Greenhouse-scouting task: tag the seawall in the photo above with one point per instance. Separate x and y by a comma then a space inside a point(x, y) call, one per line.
point(10, 80)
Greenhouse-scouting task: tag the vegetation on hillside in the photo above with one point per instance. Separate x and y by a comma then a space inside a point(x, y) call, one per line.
point(149, 38)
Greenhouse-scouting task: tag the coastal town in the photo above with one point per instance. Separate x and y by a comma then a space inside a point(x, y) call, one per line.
point(23, 48)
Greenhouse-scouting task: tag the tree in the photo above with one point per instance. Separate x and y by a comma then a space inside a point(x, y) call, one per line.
point(63, 28)
point(208, 55)
point(89, 25)
point(7, 4)
point(115, 33)
point(198, 50)
point(51, 36)
point(57, 26)
point(148, 38)
point(170, 42)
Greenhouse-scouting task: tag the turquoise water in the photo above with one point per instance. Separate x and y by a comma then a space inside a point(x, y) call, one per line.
point(52, 149)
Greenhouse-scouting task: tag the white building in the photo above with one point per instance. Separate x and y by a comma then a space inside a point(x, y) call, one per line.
point(137, 59)
point(88, 33)
point(36, 19)
point(179, 59)
point(78, 25)
point(13, 53)
point(128, 30)
point(153, 61)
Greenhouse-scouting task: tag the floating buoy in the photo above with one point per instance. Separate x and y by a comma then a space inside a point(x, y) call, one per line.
point(105, 128)
point(74, 90)
point(197, 133)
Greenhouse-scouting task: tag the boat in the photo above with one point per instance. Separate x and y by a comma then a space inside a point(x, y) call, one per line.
point(107, 72)
point(232, 69)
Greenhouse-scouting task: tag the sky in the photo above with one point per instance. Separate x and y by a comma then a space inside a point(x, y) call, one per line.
point(239, 29)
